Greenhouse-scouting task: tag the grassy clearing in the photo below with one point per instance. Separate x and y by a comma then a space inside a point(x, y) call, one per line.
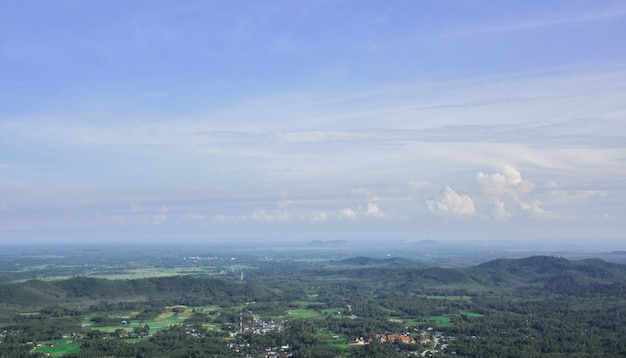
point(162, 321)
point(332, 339)
point(470, 314)
point(410, 322)
point(310, 313)
point(304, 313)
point(58, 347)
point(440, 321)
point(144, 272)
point(129, 273)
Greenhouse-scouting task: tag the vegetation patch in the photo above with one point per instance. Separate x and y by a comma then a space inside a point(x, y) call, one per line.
point(58, 347)
point(332, 339)
point(410, 322)
point(470, 314)
point(295, 310)
point(304, 313)
point(440, 321)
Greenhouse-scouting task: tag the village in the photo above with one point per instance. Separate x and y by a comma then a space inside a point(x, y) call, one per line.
point(428, 342)
point(436, 342)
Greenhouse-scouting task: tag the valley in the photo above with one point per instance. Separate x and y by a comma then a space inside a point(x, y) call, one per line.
point(314, 300)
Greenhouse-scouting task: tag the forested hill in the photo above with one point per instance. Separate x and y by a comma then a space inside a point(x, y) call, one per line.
point(361, 261)
point(556, 274)
point(180, 289)
point(544, 273)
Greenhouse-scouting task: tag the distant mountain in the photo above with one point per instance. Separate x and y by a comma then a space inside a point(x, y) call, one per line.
point(428, 243)
point(327, 243)
point(617, 253)
point(363, 261)
point(527, 267)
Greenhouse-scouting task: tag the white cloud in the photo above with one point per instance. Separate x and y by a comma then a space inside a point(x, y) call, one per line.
point(508, 180)
point(373, 210)
point(451, 203)
point(535, 209)
point(3, 207)
point(347, 213)
point(319, 217)
point(498, 211)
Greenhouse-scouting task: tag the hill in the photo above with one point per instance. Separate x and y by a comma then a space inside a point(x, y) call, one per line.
point(363, 261)
point(84, 291)
point(545, 273)
point(555, 274)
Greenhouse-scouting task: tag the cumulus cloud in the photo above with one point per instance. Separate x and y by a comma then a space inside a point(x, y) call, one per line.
point(373, 210)
point(535, 209)
point(507, 184)
point(368, 208)
point(498, 211)
point(318, 217)
point(451, 203)
point(507, 180)
point(347, 213)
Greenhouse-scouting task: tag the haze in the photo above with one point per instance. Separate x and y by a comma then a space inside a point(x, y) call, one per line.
point(406, 120)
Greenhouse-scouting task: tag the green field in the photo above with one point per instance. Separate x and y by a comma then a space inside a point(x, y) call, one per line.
point(58, 347)
point(440, 321)
point(304, 313)
point(470, 314)
point(410, 322)
point(333, 340)
point(162, 321)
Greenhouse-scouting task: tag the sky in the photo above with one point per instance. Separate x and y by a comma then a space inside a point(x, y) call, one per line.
point(211, 121)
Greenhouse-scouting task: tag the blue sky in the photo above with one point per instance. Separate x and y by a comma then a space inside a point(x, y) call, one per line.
point(222, 120)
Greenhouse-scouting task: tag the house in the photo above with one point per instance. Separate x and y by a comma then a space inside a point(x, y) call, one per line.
point(383, 338)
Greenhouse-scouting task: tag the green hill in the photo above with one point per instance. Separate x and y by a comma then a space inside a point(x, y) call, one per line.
point(84, 291)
